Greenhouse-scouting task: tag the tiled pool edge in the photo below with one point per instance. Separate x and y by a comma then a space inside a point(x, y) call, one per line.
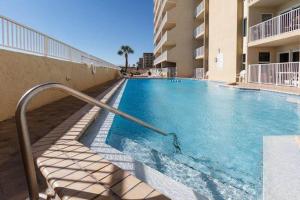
point(157, 180)
point(87, 113)
point(281, 161)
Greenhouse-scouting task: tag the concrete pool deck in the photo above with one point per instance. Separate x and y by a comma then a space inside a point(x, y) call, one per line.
point(281, 174)
point(11, 166)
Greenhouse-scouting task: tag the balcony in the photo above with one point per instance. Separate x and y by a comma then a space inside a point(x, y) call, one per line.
point(167, 39)
point(168, 55)
point(165, 6)
point(168, 22)
point(200, 9)
point(199, 53)
point(278, 30)
point(286, 74)
point(199, 31)
point(156, 7)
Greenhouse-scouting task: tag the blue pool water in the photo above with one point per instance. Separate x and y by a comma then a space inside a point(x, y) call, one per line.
point(220, 131)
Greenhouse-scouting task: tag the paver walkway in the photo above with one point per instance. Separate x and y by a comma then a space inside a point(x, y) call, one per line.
point(41, 121)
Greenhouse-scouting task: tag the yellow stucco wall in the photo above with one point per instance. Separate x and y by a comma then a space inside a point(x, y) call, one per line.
point(184, 38)
point(225, 39)
point(19, 72)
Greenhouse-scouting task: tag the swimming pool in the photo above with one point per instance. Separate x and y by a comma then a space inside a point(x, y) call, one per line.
point(220, 131)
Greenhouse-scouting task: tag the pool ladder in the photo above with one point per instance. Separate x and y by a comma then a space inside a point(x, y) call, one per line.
point(23, 132)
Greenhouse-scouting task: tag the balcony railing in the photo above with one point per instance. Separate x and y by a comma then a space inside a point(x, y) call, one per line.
point(199, 31)
point(284, 23)
point(199, 52)
point(199, 9)
point(17, 37)
point(275, 73)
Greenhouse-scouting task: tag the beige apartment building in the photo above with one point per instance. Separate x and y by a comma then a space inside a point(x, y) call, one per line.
point(193, 35)
point(273, 42)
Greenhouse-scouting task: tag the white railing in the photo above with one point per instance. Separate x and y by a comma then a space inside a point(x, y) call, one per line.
point(199, 30)
point(284, 23)
point(199, 73)
point(199, 9)
point(17, 37)
point(275, 73)
point(199, 52)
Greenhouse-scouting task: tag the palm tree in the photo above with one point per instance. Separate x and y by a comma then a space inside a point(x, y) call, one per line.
point(125, 50)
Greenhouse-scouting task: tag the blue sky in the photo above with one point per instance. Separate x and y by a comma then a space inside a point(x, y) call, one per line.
point(98, 27)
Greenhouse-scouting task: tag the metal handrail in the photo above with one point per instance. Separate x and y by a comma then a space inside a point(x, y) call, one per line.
point(23, 133)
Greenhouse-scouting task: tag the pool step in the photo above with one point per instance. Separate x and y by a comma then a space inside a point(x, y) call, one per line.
point(189, 172)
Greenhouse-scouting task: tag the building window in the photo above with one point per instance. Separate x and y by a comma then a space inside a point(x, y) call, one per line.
point(284, 57)
point(266, 17)
point(245, 27)
point(264, 57)
point(243, 62)
point(244, 58)
point(296, 56)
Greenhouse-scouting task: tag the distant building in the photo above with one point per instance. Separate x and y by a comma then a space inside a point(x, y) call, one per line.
point(140, 63)
point(148, 59)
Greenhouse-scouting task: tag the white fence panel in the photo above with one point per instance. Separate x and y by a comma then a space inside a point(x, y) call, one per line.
point(18, 37)
point(275, 73)
point(199, 73)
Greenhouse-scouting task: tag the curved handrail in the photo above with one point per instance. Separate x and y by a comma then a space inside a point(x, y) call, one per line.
point(23, 133)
